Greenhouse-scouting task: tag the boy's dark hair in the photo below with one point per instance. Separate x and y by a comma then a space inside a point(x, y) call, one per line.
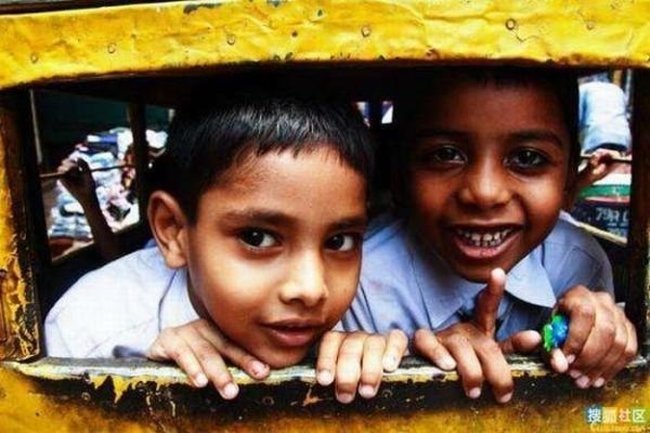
point(563, 82)
point(206, 140)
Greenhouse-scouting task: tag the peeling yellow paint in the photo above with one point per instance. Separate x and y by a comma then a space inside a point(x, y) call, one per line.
point(25, 408)
point(16, 298)
point(153, 38)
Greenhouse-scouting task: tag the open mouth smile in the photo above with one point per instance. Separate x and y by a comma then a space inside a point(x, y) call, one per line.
point(484, 243)
point(484, 239)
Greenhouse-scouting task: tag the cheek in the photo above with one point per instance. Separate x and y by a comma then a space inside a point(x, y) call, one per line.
point(220, 285)
point(428, 195)
point(343, 280)
point(544, 203)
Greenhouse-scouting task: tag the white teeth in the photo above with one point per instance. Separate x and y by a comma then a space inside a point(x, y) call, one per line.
point(483, 239)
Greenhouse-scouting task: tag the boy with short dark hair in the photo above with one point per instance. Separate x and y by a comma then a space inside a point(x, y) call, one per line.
point(490, 156)
point(258, 211)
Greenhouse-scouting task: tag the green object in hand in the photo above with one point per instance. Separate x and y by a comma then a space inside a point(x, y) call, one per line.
point(555, 332)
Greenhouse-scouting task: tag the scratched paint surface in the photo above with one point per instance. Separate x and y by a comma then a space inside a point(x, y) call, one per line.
point(19, 326)
point(145, 397)
point(151, 38)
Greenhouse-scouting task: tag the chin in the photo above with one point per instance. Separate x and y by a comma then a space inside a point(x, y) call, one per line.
point(475, 274)
point(282, 359)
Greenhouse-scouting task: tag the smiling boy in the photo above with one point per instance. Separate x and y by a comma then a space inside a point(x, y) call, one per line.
point(258, 211)
point(490, 155)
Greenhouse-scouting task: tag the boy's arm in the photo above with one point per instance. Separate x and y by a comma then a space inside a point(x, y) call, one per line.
point(601, 340)
point(357, 360)
point(199, 349)
point(471, 348)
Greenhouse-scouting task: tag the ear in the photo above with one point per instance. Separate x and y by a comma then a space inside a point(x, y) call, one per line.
point(169, 227)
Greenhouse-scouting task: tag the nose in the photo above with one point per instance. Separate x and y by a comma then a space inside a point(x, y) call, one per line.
point(306, 281)
point(486, 186)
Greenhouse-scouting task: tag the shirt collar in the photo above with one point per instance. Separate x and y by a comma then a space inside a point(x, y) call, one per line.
point(444, 292)
point(529, 281)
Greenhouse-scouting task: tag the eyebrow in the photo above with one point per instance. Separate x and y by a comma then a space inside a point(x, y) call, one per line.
point(257, 215)
point(523, 135)
point(539, 135)
point(350, 223)
point(263, 216)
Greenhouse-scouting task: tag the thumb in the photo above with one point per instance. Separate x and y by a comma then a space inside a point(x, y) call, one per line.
point(521, 342)
point(487, 306)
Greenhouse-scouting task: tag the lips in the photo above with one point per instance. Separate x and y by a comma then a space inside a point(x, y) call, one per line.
point(484, 242)
point(293, 333)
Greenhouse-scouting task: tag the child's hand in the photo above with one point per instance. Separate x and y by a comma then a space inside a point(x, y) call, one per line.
point(78, 179)
point(471, 348)
point(199, 350)
point(357, 360)
point(601, 340)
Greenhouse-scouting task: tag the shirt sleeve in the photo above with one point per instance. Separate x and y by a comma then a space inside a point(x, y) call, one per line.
point(574, 257)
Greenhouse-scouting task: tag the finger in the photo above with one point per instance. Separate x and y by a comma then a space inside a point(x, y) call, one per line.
point(558, 361)
point(372, 365)
point(628, 355)
point(66, 165)
point(328, 352)
point(601, 337)
point(170, 345)
point(578, 303)
point(521, 342)
point(210, 360)
point(495, 368)
point(348, 366)
point(239, 357)
point(487, 306)
point(469, 367)
point(395, 349)
point(615, 352)
point(428, 345)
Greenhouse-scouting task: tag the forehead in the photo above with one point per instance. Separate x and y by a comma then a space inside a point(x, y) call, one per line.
point(316, 181)
point(487, 105)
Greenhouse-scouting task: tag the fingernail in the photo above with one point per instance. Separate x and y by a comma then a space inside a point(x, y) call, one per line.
point(345, 397)
point(583, 382)
point(229, 391)
point(367, 391)
point(257, 368)
point(474, 392)
point(200, 380)
point(574, 374)
point(570, 358)
point(447, 363)
point(390, 363)
point(505, 398)
point(324, 377)
point(599, 382)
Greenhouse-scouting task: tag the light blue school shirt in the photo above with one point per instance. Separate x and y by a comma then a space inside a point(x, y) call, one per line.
point(405, 287)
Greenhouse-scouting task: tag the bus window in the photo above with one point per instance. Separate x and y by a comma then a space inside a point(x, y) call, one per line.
point(602, 195)
point(78, 134)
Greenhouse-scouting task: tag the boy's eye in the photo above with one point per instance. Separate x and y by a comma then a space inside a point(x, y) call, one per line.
point(258, 238)
point(444, 154)
point(527, 158)
point(342, 242)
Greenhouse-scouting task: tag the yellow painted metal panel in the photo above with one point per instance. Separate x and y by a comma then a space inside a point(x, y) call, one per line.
point(27, 404)
point(19, 336)
point(151, 38)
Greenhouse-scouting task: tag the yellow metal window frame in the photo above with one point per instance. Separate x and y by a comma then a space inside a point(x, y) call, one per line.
point(197, 37)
